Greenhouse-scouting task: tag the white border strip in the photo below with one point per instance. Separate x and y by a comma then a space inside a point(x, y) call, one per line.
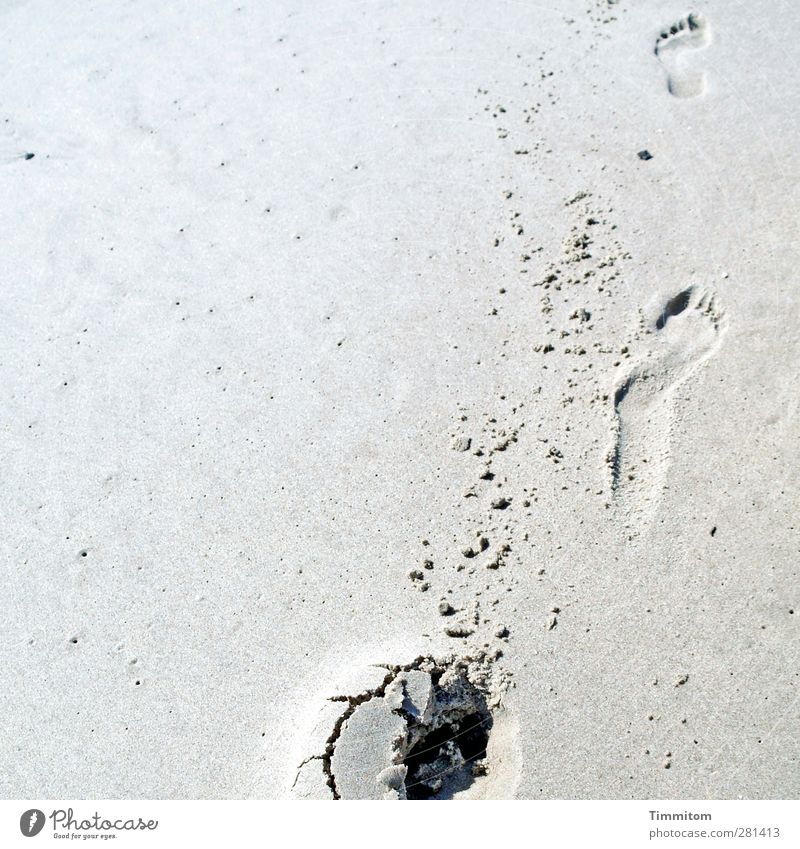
point(326, 824)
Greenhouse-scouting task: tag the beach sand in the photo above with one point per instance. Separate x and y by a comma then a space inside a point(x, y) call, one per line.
point(371, 370)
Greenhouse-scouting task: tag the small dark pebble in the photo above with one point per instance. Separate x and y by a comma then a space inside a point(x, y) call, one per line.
point(644, 155)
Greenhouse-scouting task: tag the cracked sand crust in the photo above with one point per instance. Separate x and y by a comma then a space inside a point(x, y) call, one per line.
point(422, 732)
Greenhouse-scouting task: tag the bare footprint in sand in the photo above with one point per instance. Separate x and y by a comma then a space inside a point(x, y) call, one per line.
point(686, 332)
point(674, 47)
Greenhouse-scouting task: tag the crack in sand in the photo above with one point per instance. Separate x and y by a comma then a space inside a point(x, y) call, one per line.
point(352, 703)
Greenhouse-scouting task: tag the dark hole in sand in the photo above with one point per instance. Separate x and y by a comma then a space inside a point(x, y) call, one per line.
point(449, 758)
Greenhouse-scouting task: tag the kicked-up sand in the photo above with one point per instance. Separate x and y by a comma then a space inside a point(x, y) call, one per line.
point(399, 399)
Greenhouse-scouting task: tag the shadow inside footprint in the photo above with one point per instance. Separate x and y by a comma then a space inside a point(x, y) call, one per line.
point(623, 389)
point(674, 306)
point(446, 760)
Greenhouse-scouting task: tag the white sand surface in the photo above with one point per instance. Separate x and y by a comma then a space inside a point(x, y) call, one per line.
point(271, 267)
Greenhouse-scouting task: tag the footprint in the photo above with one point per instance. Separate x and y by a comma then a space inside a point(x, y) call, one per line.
point(686, 332)
point(433, 729)
point(672, 48)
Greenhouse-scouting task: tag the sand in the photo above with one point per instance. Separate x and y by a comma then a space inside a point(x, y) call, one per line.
point(368, 367)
